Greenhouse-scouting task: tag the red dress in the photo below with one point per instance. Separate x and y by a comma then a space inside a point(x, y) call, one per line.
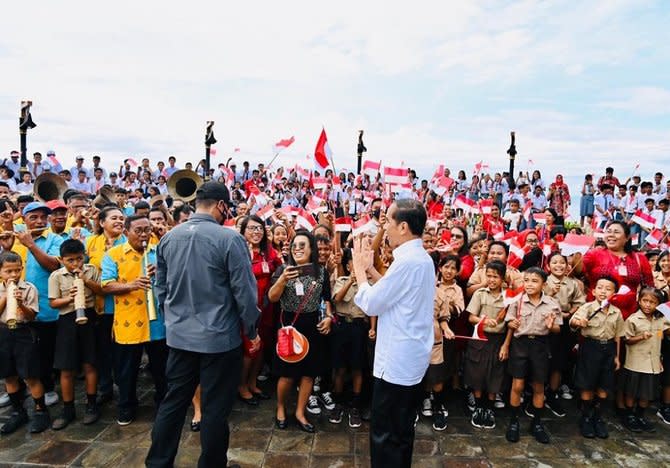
point(633, 271)
point(263, 274)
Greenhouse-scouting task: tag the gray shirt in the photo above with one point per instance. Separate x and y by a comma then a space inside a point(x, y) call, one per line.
point(206, 287)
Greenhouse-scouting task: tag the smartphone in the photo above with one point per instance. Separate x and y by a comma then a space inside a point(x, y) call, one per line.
point(306, 270)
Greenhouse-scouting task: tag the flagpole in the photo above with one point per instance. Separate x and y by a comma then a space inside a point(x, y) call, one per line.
point(273, 159)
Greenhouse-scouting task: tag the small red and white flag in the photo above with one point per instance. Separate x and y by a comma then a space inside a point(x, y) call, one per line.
point(442, 184)
point(395, 175)
point(516, 254)
point(465, 204)
point(655, 237)
point(527, 210)
point(372, 168)
point(337, 183)
point(623, 292)
point(540, 218)
point(480, 166)
point(322, 153)
point(282, 144)
point(512, 295)
point(478, 332)
point(315, 205)
point(304, 219)
point(363, 225)
point(236, 150)
point(319, 183)
point(439, 172)
point(229, 224)
point(343, 224)
point(574, 243)
point(303, 173)
point(266, 212)
point(132, 162)
point(643, 219)
point(485, 206)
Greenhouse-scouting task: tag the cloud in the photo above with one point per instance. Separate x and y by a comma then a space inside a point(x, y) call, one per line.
point(646, 101)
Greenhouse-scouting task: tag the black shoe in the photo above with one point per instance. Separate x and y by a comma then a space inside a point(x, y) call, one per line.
point(354, 418)
point(40, 422)
point(281, 423)
point(553, 402)
point(16, 420)
point(306, 427)
point(631, 423)
point(539, 432)
point(66, 417)
point(104, 398)
point(586, 427)
point(261, 396)
point(664, 414)
point(513, 430)
point(600, 427)
point(335, 416)
point(477, 419)
point(645, 425)
point(126, 417)
point(91, 415)
point(195, 426)
point(489, 421)
point(439, 420)
point(248, 401)
point(366, 414)
point(529, 409)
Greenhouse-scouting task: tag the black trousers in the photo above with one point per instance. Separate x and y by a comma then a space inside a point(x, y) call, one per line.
point(392, 425)
point(128, 359)
point(105, 353)
point(46, 332)
point(218, 375)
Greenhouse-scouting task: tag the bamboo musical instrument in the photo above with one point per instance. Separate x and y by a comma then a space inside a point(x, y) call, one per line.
point(8, 233)
point(12, 305)
point(80, 301)
point(151, 305)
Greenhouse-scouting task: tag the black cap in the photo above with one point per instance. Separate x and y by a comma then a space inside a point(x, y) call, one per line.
point(213, 191)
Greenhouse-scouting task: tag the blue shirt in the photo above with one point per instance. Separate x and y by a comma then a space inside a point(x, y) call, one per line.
point(39, 276)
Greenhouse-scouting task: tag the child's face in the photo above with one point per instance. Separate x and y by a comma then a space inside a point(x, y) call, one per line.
point(665, 264)
point(428, 242)
point(649, 205)
point(448, 271)
point(493, 280)
point(558, 266)
point(497, 252)
point(648, 304)
point(11, 271)
point(532, 284)
point(513, 207)
point(652, 262)
point(73, 262)
point(604, 290)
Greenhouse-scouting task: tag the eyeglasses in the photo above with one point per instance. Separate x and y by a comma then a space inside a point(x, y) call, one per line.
point(299, 245)
point(255, 228)
point(139, 231)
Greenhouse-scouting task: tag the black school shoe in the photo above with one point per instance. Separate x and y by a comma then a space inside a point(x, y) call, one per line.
point(512, 434)
point(62, 421)
point(539, 432)
point(91, 415)
point(586, 427)
point(40, 422)
point(645, 425)
point(555, 405)
point(631, 423)
point(600, 427)
point(15, 421)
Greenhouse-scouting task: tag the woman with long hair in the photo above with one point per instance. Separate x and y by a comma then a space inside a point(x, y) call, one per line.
point(559, 196)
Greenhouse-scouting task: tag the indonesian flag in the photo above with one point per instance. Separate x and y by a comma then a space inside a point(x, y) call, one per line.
point(304, 219)
point(395, 175)
point(478, 332)
point(574, 243)
point(516, 254)
point(506, 237)
point(546, 248)
point(438, 173)
point(254, 191)
point(314, 205)
point(132, 162)
point(643, 219)
point(635, 239)
point(343, 224)
point(320, 183)
point(229, 224)
point(322, 153)
point(282, 144)
point(372, 168)
point(303, 173)
point(228, 174)
point(465, 204)
point(337, 183)
point(399, 187)
point(266, 212)
point(664, 309)
point(622, 293)
point(655, 237)
point(512, 295)
point(363, 225)
point(485, 206)
point(540, 218)
point(442, 184)
point(527, 210)
point(479, 166)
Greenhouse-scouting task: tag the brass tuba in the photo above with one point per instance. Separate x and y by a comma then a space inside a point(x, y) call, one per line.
point(105, 197)
point(183, 184)
point(49, 186)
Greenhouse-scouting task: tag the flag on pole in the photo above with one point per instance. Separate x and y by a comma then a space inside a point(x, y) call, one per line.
point(343, 224)
point(512, 295)
point(574, 243)
point(372, 168)
point(516, 254)
point(304, 219)
point(478, 332)
point(395, 175)
point(266, 212)
point(282, 144)
point(322, 153)
point(655, 237)
point(643, 219)
point(465, 204)
point(320, 183)
point(485, 206)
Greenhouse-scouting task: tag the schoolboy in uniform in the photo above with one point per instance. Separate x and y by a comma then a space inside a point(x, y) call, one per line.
point(75, 343)
point(529, 321)
point(484, 363)
point(601, 324)
point(497, 250)
point(19, 349)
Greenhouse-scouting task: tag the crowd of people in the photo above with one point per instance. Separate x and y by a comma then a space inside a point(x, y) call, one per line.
point(520, 319)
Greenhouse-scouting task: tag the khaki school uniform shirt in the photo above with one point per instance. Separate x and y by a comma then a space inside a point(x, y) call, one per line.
point(454, 294)
point(569, 294)
point(61, 281)
point(487, 305)
point(532, 317)
point(513, 278)
point(605, 325)
point(441, 313)
point(660, 282)
point(347, 307)
point(28, 297)
point(645, 356)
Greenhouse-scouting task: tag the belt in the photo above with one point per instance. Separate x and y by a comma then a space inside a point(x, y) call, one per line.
point(600, 342)
point(534, 337)
point(350, 319)
point(14, 326)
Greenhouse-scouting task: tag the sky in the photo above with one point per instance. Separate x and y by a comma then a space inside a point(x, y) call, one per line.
point(583, 84)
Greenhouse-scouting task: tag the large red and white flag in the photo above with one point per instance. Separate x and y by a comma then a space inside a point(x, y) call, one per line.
point(643, 219)
point(574, 243)
point(322, 153)
point(372, 168)
point(396, 175)
point(465, 204)
point(304, 219)
point(282, 144)
point(343, 224)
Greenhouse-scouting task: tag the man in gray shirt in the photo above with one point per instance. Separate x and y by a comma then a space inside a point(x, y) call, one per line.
point(208, 293)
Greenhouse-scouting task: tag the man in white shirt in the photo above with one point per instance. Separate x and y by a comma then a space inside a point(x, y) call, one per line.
point(74, 170)
point(14, 163)
point(80, 183)
point(171, 169)
point(7, 176)
point(37, 167)
point(98, 180)
point(96, 165)
point(402, 301)
point(662, 215)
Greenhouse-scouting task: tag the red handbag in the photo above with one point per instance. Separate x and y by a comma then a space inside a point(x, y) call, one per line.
point(285, 347)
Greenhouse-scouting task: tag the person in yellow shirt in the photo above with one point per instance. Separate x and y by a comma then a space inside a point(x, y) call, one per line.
point(126, 274)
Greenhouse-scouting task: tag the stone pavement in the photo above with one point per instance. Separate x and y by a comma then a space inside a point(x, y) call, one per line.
point(255, 442)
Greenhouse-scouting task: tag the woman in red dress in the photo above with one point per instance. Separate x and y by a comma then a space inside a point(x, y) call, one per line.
point(264, 262)
point(559, 196)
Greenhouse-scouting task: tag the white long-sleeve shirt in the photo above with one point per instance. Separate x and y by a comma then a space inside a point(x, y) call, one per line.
point(403, 302)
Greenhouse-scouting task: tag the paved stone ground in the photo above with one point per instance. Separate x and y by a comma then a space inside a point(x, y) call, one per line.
point(255, 442)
